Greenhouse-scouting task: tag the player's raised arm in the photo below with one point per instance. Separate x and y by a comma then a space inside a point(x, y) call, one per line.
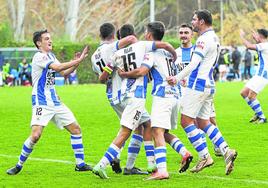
point(142, 71)
point(248, 44)
point(127, 41)
point(63, 66)
point(168, 47)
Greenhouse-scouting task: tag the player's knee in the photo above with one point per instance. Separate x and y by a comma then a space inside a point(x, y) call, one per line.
point(35, 136)
point(76, 130)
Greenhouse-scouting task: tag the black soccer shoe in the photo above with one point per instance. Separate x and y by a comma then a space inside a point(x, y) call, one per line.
point(116, 166)
point(254, 119)
point(134, 171)
point(86, 167)
point(14, 170)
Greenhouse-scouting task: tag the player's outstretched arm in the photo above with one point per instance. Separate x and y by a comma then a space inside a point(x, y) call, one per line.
point(168, 47)
point(142, 71)
point(58, 67)
point(172, 80)
point(122, 43)
point(248, 44)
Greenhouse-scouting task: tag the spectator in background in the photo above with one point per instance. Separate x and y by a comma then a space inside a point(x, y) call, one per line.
point(25, 70)
point(247, 60)
point(236, 58)
point(222, 66)
point(2, 60)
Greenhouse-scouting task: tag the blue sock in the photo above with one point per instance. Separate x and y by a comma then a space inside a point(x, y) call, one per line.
point(196, 140)
point(160, 158)
point(133, 150)
point(78, 148)
point(216, 137)
point(25, 152)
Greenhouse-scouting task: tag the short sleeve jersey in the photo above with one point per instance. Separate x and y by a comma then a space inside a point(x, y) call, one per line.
point(262, 49)
point(99, 59)
point(161, 66)
point(43, 77)
point(132, 57)
point(208, 48)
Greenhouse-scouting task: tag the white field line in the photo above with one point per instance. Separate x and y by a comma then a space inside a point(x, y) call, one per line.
point(248, 181)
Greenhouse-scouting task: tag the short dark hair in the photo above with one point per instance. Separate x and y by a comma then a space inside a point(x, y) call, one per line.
point(107, 31)
point(186, 25)
point(157, 29)
point(118, 34)
point(126, 30)
point(263, 32)
point(204, 15)
point(37, 36)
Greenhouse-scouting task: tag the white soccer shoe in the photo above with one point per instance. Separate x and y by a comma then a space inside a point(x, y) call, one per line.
point(202, 163)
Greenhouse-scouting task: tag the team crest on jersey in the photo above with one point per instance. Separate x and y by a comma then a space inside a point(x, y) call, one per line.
point(200, 44)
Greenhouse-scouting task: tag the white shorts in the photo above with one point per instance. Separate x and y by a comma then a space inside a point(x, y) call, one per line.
point(196, 104)
point(257, 83)
point(212, 112)
point(222, 68)
point(134, 113)
point(164, 113)
point(60, 115)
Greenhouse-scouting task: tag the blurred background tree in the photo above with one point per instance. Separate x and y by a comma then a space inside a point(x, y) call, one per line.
point(79, 20)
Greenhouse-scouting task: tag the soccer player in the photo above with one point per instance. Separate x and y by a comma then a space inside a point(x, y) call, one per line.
point(184, 54)
point(257, 83)
point(133, 93)
point(100, 59)
point(196, 102)
point(165, 101)
point(46, 105)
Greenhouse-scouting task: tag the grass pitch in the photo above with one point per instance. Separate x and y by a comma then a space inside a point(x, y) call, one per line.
point(52, 161)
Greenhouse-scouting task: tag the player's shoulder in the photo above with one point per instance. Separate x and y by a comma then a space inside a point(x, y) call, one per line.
point(39, 56)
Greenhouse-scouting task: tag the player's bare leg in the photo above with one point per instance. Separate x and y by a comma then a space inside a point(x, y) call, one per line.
point(78, 148)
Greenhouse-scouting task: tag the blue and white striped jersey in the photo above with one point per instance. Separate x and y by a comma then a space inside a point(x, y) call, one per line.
point(132, 57)
point(184, 56)
point(44, 92)
point(99, 59)
point(161, 66)
point(208, 48)
point(262, 49)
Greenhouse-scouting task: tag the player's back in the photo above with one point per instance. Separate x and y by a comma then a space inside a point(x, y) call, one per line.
point(208, 47)
point(262, 70)
point(43, 77)
point(162, 66)
point(132, 57)
point(100, 58)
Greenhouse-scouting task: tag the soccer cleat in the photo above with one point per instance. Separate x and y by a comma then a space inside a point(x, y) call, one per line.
point(158, 176)
point(151, 168)
point(86, 167)
point(100, 171)
point(229, 158)
point(254, 119)
point(185, 162)
point(217, 152)
point(202, 163)
point(261, 121)
point(134, 171)
point(14, 170)
point(116, 166)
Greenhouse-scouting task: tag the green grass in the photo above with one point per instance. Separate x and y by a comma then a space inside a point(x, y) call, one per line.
point(100, 125)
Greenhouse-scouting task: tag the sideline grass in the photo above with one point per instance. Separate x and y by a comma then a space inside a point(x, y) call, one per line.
point(100, 125)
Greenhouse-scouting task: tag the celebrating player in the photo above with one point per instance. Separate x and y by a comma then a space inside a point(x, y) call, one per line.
point(100, 59)
point(257, 83)
point(196, 102)
point(165, 101)
point(46, 105)
point(133, 95)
